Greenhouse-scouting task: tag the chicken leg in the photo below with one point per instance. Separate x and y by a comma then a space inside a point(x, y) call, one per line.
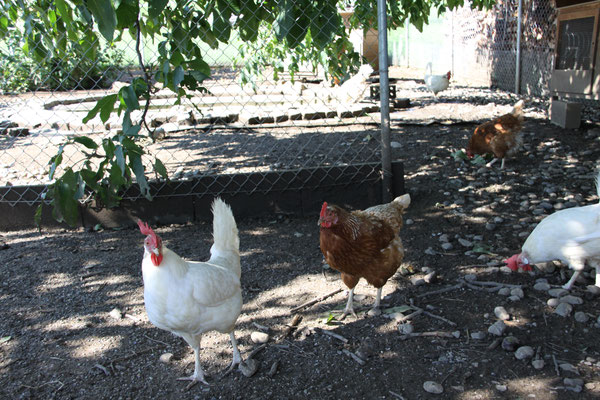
point(237, 357)
point(198, 375)
point(375, 310)
point(349, 306)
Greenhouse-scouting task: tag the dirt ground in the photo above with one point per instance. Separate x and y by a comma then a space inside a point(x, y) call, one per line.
point(73, 323)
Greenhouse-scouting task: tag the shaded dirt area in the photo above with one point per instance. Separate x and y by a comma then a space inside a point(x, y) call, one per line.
point(60, 336)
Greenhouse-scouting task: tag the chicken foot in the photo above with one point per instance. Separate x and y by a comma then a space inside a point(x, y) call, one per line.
point(237, 357)
point(198, 375)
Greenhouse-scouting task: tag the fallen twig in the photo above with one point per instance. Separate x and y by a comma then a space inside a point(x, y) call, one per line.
point(555, 365)
point(410, 316)
point(273, 369)
point(434, 316)
point(427, 334)
point(332, 334)
point(102, 368)
point(260, 327)
point(396, 395)
point(156, 340)
point(444, 290)
point(256, 351)
point(354, 356)
point(481, 289)
point(496, 284)
point(452, 370)
point(132, 317)
point(295, 321)
point(314, 301)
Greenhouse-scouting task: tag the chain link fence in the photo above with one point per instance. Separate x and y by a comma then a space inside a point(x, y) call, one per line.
point(250, 131)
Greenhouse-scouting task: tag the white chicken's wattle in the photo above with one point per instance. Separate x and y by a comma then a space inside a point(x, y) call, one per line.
point(189, 298)
point(571, 236)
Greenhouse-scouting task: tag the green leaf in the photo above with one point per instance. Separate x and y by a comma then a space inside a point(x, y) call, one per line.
point(160, 169)
point(135, 162)
point(120, 157)
point(5, 339)
point(127, 13)
point(285, 19)
point(178, 75)
point(105, 106)
point(221, 25)
point(105, 17)
point(65, 205)
point(324, 25)
point(155, 7)
point(129, 98)
point(86, 141)
point(37, 217)
point(116, 177)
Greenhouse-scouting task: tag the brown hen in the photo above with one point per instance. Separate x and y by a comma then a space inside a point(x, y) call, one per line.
point(363, 244)
point(500, 136)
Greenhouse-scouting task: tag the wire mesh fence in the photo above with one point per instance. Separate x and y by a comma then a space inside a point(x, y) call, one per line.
point(273, 123)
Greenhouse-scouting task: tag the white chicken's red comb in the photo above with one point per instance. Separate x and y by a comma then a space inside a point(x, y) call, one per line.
point(145, 229)
point(323, 208)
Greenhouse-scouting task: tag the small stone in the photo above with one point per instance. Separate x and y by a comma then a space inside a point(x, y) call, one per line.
point(504, 291)
point(517, 292)
point(431, 252)
point(497, 329)
point(373, 312)
point(249, 367)
point(553, 302)
point(259, 337)
point(166, 358)
point(465, 242)
point(514, 298)
point(524, 352)
point(417, 281)
point(447, 246)
point(430, 277)
point(563, 309)
point(568, 368)
point(510, 343)
point(593, 289)
point(405, 329)
point(558, 292)
point(116, 313)
point(573, 300)
point(573, 382)
point(478, 335)
point(538, 364)
point(582, 317)
point(433, 387)
point(409, 222)
point(541, 286)
point(501, 313)
point(501, 388)
point(470, 277)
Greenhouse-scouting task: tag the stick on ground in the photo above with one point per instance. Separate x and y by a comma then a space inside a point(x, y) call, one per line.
point(315, 301)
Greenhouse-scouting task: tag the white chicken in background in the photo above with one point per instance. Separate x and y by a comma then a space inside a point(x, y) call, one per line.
point(353, 90)
point(189, 298)
point(571, 236)
point(436, 83)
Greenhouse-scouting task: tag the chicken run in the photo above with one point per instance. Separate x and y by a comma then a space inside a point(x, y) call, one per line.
point(455, 321)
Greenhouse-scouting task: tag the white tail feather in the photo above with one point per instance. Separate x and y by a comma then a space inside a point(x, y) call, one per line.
point(225, 234)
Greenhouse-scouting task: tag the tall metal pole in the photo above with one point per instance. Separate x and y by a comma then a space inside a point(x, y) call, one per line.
point(384, 96)
point(518, 62)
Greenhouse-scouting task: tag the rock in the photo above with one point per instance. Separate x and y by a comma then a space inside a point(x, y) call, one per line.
point(501, 388)
point(417, 281)
point(447, 246)
point(395, 145)
point(563, 309)
point(553, 302)
point(166, 358)
point(116, 313)
point(538, 364)
point(573, 300)
point(517, 292)
point(433, 387)
point(465, 242)
point(514, 298)
point(478, 335)
point(405, 329)
point(524, 352)
point(541, 286)
point(568, 368)
point(430, 277)
point(373, 312)
point(581, 317)
point(593, 289)
point(510, 343)
point(497, 329)
point(470, 277)
point(409, 222)
point(259, 337)
point(501, 313)
point(431, 252)
point(504, 291)
point(573, 382)
point(249, 367)
point(558, 292)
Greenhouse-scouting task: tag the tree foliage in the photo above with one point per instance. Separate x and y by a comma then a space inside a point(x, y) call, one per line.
point(297, 30)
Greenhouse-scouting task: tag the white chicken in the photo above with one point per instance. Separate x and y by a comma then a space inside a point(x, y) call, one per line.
point(571, 236)
point(436, 83)
point(189, 298)
point(353, 90)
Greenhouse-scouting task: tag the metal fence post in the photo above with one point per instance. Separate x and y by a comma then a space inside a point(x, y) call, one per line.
point(384, 96)
point(518, 59)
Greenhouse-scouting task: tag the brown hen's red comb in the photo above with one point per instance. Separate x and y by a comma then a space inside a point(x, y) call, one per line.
point(323, 208)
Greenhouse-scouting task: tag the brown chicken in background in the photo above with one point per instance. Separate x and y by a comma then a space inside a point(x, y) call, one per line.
point(363, 244)
point(500, 136)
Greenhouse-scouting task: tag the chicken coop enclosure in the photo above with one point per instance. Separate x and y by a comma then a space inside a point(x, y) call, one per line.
point(273, 139)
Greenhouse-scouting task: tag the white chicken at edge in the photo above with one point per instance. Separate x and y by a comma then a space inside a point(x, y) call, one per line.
point(189, 298)
point(571, 236)
point(436, 83)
